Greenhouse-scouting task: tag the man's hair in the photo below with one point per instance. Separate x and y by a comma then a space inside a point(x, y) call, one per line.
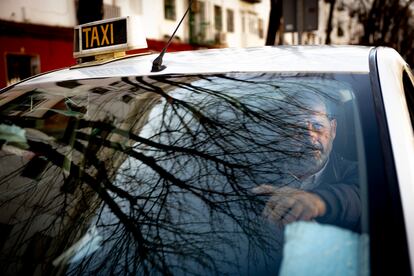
point(306, 101)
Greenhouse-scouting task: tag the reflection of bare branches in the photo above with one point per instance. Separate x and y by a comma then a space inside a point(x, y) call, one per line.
point(162, 168)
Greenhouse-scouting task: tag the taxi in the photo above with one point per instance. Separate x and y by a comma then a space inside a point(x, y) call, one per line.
point(292, 160)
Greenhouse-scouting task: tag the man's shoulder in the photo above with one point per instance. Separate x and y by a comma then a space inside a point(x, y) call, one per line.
point(339, 168)
point(337, 159)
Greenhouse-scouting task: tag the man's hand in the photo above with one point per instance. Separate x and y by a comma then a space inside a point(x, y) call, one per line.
point(288, 204)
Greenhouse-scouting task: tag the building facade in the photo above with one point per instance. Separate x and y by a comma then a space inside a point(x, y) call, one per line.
point(37, 35)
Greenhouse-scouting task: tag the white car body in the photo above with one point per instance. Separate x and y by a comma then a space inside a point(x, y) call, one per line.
point(384, 65)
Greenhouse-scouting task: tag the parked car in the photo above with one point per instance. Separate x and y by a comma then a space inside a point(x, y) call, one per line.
point(271, 160)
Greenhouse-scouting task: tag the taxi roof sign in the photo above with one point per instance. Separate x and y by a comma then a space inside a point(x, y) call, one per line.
point(108, 36)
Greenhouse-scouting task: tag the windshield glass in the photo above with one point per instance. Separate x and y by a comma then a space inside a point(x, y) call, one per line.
point(236, 173)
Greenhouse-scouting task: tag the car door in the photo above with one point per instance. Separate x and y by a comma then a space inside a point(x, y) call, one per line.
point(393, 93)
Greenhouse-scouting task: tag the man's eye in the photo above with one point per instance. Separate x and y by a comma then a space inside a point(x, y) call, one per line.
point(317, 127)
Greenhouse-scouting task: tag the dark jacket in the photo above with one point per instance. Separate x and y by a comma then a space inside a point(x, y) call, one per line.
point(339, 188)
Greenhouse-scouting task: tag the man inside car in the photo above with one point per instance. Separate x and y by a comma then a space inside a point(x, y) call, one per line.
point(324, 185)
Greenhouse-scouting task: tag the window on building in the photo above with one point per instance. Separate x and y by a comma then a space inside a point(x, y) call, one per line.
point(198, 22)
point(261, 31)
point(230, 21)
point(202, 13)
point(169, 9)
point(340, 29)
point(21, 66)
point(218, 18)
point(111, 11)
point(253, 29)
point(243, 21)
point(198, 8)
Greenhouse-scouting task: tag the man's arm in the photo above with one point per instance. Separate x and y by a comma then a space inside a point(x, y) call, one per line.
point(336, 201)
point(289, 204)
point(341, 193)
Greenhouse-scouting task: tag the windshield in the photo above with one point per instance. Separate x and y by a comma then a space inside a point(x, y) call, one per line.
point(235, 173)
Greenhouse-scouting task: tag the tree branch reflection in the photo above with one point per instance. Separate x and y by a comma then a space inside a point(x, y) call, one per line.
point(161, 167)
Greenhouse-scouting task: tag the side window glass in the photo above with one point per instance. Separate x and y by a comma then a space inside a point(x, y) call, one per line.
point(409, 93)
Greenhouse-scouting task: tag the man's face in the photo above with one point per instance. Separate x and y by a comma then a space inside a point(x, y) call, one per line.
point(314, 144)
point(320, 134)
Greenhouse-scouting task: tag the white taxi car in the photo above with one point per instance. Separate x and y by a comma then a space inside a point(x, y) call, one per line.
point(259, 161)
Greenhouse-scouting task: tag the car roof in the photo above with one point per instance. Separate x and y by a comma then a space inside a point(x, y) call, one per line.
point(259, 59)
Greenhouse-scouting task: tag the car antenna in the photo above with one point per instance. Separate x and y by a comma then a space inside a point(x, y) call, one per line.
point(157, 63)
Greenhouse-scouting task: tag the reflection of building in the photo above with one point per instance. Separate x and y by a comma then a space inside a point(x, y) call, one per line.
point(36, 36)
point(47, 203)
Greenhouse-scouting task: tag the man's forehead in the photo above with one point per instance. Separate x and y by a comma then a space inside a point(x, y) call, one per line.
point(314, 106)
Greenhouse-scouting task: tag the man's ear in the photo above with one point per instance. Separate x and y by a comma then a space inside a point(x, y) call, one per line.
point(333, 128)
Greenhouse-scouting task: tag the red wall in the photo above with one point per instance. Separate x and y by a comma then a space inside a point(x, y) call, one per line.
point(57, 53)
point(157, 45)
point(53, 54)
point(53, 45)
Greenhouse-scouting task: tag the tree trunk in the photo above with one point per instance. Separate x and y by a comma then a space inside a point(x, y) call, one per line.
point(329, 24)
point(370, 22)
point(276, 7)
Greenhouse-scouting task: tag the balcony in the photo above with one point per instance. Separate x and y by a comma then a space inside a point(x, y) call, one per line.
point(252, 1)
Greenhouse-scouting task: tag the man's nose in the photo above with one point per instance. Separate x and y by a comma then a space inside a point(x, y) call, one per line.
point(313, 135)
